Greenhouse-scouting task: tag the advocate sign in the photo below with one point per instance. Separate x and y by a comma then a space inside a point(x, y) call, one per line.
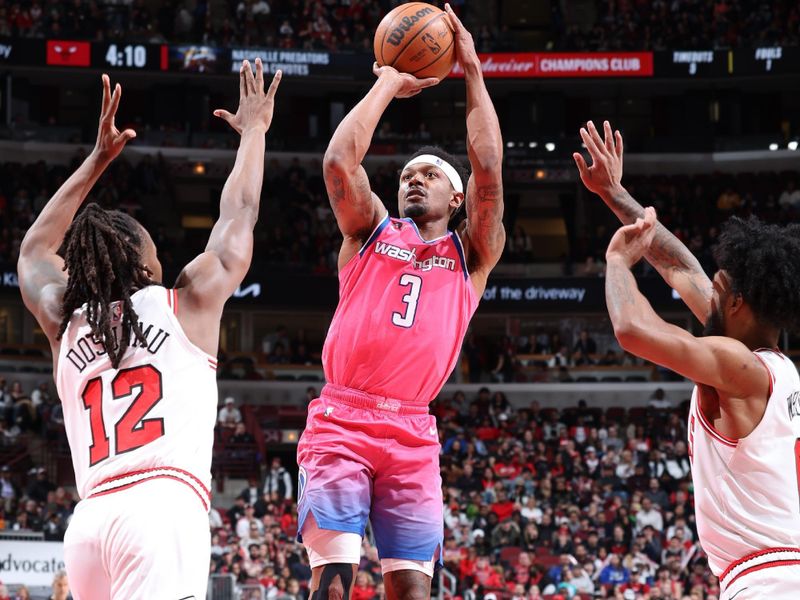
point(30, 563)
point(563, 64)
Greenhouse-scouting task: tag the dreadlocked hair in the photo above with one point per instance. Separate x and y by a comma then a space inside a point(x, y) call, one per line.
point(102, 256)
point(762, 262)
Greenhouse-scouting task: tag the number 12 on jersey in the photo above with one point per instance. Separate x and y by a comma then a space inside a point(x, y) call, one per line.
point(414, 283)
point(141, 386)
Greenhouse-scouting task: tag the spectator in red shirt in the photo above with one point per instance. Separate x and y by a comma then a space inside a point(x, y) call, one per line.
point(364, 588)
point(503, 507)
point(636, 584)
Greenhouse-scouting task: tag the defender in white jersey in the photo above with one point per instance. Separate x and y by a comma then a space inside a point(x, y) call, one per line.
point(135, 364)
point(744, 422)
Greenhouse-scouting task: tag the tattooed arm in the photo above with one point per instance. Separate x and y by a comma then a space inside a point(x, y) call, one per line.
point(358, 211)
point(484, 236)
point(670, 257)
point(725, 364)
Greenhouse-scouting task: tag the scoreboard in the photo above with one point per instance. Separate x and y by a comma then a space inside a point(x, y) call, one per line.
point(185, 58)
point(197, 58)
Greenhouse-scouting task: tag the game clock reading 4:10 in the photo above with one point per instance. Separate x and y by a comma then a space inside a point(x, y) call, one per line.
point(129, 56)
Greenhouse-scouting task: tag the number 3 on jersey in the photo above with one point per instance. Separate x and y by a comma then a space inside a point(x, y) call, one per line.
point(414, 282)
point(141, 386)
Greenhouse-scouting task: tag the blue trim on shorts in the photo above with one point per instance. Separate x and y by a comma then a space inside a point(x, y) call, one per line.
point(399, 554)
point(328, 525)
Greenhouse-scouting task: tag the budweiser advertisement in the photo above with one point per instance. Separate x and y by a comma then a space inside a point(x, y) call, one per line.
point(564, 64)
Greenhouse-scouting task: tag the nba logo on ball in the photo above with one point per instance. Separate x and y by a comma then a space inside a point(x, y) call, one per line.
point(302, 477)
point(432, 44)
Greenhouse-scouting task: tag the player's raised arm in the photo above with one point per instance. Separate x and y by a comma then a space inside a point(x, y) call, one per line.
point(41, 273)
point(670, 257)
point(210, 279)
point(357, 209)
point(485, 235)
point(723, 363)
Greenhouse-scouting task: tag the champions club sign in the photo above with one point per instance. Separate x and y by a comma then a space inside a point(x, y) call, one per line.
point(532, 65)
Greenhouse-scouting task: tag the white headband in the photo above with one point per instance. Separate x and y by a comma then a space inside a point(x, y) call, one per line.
point(446, 167)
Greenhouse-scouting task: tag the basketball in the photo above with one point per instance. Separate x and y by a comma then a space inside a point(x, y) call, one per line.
point(416, 38)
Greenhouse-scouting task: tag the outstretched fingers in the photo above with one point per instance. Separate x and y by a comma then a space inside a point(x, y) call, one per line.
point(115, 98)
point(273, 86)
point(595, 135)
point(250, 80)
point(608, 137)
point(591, 145)
point(259, 82)
point(106, 95)
point(583, 168)
point(242, 81)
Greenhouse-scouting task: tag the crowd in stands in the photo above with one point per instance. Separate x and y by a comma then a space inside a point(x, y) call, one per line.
point(309, 24)
point(299, 232)
point(685, 25)
point(349, 24)
point(26, 188)
point(23, 411)
point(694, 209)
point(577, 503)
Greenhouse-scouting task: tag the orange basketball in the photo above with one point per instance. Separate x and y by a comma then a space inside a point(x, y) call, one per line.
point(416, 38)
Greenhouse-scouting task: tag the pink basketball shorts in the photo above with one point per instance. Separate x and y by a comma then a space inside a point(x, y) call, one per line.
point(363, 457)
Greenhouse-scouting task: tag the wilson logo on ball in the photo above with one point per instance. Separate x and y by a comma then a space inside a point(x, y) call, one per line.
point(399, 32)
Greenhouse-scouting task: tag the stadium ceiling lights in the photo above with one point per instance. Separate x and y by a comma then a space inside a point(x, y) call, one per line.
point(773, 146)
point(550, 146)
point(792, 145)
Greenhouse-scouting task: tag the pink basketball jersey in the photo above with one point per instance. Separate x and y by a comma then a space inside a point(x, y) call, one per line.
point(404, 307)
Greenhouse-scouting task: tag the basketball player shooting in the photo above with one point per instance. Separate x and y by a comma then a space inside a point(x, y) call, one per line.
point(135, 363)
point(408, 288)
point(744, 418)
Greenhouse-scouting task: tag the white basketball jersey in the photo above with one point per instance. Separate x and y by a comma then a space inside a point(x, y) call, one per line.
point(154, 416)
point(746, 491)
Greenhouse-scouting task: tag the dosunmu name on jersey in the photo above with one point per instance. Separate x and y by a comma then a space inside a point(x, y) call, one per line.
point(88, 349)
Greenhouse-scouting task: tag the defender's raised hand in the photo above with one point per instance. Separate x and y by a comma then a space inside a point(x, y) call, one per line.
point(110, 141)
point(407, 85)
point(465, 45)
point(255, 106)
point(605, 171)
point(631, 242)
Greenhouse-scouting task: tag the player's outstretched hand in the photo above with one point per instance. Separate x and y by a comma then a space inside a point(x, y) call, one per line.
point(631, 242)
point(605, 172)
point(406, 85)
point(110, 141)
point(465, 45)
point(255, 106)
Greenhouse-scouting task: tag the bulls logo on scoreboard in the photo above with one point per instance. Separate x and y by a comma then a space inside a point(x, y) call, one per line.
point(67, 53)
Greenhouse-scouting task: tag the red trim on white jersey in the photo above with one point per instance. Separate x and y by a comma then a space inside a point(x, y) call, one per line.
point(175, 301)
point(722, 439)
point(769, 372)
point(763, 559)
point(126, 480)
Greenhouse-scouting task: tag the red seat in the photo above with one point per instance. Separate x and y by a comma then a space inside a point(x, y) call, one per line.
point(510, 554)
point(615, 414)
